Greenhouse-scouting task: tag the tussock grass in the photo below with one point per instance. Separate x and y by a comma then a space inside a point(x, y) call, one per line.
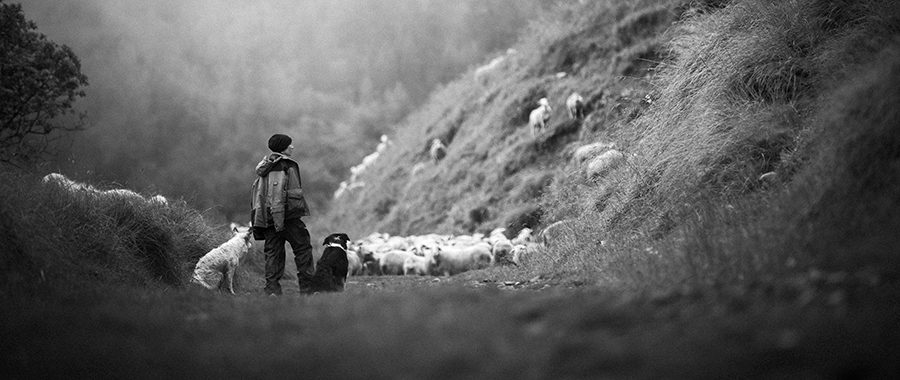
point(74, 239)
point(755, 87)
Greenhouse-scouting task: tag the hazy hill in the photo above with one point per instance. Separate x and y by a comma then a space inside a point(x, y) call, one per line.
point(702, 98)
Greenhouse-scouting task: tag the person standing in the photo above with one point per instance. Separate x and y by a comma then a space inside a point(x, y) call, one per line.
point(277, 208)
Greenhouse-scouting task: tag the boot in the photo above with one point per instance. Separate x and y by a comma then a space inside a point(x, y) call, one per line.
point(305, 282)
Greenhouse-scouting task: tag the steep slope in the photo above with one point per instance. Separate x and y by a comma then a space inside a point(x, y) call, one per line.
point(494, 172)
point(758, 138)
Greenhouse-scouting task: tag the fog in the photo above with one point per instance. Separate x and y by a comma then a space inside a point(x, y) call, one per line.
point(184, 94)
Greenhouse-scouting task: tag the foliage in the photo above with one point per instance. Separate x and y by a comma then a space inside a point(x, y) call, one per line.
point(40, 82)
point(77, 236)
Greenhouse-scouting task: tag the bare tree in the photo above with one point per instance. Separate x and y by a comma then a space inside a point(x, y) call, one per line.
point(39, 82)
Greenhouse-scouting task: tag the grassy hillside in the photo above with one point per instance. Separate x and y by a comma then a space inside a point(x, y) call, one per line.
point(679, 262)
point(57, 239)
point(703, 97)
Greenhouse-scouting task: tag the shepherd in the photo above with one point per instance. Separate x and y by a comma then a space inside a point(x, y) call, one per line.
point(277, 206)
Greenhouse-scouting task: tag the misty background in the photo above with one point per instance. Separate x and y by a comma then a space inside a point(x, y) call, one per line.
point(183, 95)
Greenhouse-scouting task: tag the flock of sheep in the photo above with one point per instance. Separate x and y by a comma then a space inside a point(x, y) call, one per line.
point(434, 254)
point(356, 171)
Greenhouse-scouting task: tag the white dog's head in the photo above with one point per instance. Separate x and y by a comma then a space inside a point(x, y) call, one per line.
point(243, 232)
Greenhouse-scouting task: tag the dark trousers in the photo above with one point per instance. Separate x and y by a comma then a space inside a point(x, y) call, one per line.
point(297, 235)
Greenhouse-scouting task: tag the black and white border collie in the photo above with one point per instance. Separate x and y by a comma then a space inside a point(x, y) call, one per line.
point(331, 269)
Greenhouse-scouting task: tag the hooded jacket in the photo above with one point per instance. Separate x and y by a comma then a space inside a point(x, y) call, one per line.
point(277, 195)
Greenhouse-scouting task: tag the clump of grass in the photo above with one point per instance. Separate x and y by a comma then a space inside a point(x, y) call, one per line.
point(801, 88)
point(61, 237)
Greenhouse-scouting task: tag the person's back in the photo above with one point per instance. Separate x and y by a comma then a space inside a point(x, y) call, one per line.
point(278, 204)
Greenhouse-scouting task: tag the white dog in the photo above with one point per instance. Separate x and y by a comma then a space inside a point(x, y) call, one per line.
point(221, 262)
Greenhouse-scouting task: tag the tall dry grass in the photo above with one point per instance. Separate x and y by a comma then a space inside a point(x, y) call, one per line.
point(68, 240)
point(804, 88)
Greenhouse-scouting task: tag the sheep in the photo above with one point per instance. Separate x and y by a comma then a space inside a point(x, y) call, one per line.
point(220, 264)
point(370, 263)
point(354, 263)
point(602, 164)
point(452, 260)
point(575, 105)
point(521, 252)
point(523, 237)
point(420, 265)
point(383, 144)
point(392, 262)
point(587, 152)
point(417, 168)
point(501, 247)
point(482, 72)
point(437, 151)
point(340, 190)
point(539, 117)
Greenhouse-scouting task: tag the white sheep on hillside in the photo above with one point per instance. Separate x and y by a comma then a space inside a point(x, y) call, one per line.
point(587, 152)
point(501, 247)
point(575, 106)
point(384, 144)
point(524, 236)
point(221, 263)
point(602, 164)
point(419, 265)
point(482, 72)
point(539, 117)
point(452, 260)
point(437, 151)
point(340, 190)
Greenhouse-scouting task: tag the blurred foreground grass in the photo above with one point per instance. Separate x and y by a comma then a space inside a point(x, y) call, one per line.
point(465, 327)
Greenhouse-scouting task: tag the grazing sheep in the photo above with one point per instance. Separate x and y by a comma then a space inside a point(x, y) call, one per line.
point(587, 152)
point(523, 237)
point(501, 247)
point(539, 117)
point(452, 260)
point(522, 252)
point(370, 263)
point(437, 151)
point(340, 190)
point(481, 73)
point(221, 263)
point(575, 105)
point(417, 168)
point(420, 265)
point(392, 262)
point(354, 263)
point(383, 144)
point(603, 163)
